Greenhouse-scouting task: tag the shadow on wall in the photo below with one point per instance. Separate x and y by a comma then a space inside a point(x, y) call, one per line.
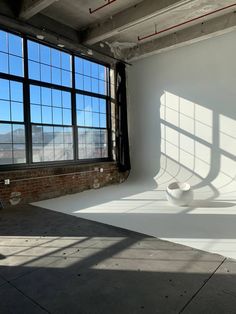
point(197, 146)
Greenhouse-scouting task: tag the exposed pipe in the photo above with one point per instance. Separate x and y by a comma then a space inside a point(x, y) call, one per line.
point(183, 23)
point(101, 7)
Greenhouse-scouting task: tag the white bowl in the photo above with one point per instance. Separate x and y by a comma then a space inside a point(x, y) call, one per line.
point(179, 193)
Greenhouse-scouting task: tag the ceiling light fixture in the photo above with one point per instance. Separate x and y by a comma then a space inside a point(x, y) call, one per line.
point(60, 45)
point(41, 37)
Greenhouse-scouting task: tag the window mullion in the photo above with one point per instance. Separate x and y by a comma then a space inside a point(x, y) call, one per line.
point(26, 100)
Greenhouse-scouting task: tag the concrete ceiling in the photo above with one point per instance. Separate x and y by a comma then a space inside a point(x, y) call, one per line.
point(114, 29)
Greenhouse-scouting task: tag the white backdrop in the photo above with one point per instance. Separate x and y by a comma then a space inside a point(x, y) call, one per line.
point(182, 110)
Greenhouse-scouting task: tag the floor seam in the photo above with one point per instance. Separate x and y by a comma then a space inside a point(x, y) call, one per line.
point(204, 283)
point(28, 297)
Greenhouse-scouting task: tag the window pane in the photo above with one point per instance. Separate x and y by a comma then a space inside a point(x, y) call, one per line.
point(11, 54)
point(45, 56)
point(4, 89)
point(46, 115)
point(16, 91)
point(12, 144)
point(5, 110)
point(46, 96)
point(16, 65)
point(57, 115)
point(65, 61)
point(17, 113)
point(33, 51)
point(35, 114)
point(56, 98)
point(3, 41)
point(45, 73)
point(11, 101)
point(35, 96)
point(53, 65)
point(56, 57)
point(34, 70)
point(15, 45)
point(4, 63)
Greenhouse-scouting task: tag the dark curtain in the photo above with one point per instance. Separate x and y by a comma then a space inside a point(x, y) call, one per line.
point(123, 158)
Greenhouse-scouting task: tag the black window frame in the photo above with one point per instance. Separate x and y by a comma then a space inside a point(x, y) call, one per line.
point(26, 81)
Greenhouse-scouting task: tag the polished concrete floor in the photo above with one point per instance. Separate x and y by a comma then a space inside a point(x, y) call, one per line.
point(51, 262)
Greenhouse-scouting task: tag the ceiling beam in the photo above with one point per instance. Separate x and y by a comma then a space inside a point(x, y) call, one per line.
point(130, 17)
point(208, 29)
point(29, 8)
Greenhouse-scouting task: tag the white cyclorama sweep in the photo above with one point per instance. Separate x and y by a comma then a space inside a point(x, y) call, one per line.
point(182, 127)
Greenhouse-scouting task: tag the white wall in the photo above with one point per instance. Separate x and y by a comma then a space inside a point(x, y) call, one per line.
point(182, 110)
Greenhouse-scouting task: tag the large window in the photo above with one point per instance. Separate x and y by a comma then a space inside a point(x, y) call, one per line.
point(51, 110)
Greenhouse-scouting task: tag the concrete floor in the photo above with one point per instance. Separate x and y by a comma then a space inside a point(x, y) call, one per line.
point(56, 263)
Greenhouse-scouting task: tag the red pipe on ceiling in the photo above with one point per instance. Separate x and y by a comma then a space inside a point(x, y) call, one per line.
point(101, 7)
point(183, 23)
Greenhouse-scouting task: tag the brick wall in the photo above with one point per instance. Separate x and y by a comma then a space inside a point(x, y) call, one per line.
point(31, 185)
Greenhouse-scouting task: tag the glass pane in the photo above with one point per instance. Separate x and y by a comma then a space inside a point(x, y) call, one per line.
point(45, 73)
point(35, 96)
point(6, 154)
point(102, 87)
point(3, 41)
point(56, 76)
point(46, 115)
point(34, 70)
point(88, 118)
point(66, 78)
point(95, 102)
point(80, 102)
point(19, 153)
point(96, 122)
point(65, 61)
point(18, 134)
point(80, 118)
point(79, 81)
point(33, 51)
point(15, 45)
point(103, 121)
point(66, 100)
point(5, 111)
point(102, 72)
point(87, 68)
point(4, 89)
point(87, 84)
point(87, 103)
point(66, 116)
point(82, 151)
point(16, 65)
point(57, 115)
point(103, 105)
point(38, 153)
point(4, 63)
point(46, 96)
point(95, 86)
point(48, 152)
point(68, 137)
point(58, 135)
point(56, 98)
point(56, 57)
point(5, 133)
point(79, 65)
point(16, 91)
point(35, 112)
point(37, 134)
point(17, 113)
point(45, 55)
point(95, 72)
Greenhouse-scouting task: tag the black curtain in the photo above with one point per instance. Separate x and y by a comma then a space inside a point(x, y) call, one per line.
point(123, 158)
